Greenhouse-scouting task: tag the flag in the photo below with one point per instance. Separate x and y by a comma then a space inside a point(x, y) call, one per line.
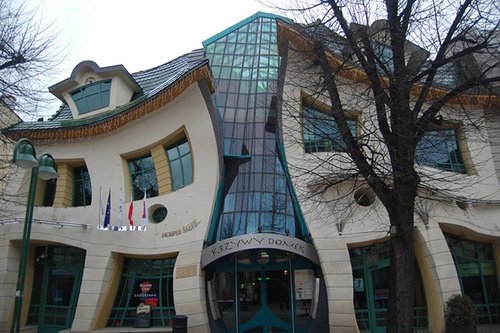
point(107, 217)
point(144, 211)
point(131, 212)
point(101, 208)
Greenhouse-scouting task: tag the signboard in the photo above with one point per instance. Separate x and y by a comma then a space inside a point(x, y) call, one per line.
point(142, 316)
point(304, 284)
point(146, 296)
point(258, 241)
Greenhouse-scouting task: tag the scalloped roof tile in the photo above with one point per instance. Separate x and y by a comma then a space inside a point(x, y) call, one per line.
point(152, 81)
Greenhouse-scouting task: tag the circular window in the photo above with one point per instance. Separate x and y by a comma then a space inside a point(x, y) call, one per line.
point(159, 214)
point(364, 197)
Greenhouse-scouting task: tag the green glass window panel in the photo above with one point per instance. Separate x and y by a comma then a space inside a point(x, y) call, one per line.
point(225, 73)
point(232, 38)
point(236, 74)
point(159, 274)
point(321, 134)
point(219, 48)
point(238, 61)
point(230, 48)
point(143, 177)
point(440, 149)
point(262, 86)
point(476, 269)
point(210, 48)
point(252, 39)
point(274, 61)
point(216, 60)
point(228, 60)
point(92, 97)
point(250, 49)
point(240, 49)
point(181, 164)
point(82, 189)
point(242, 37)
point(266, 26)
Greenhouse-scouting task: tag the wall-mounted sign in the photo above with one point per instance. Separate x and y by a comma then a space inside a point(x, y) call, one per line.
point(142, 316)
point(304, 283)
point(258, 241)
point(146, 297)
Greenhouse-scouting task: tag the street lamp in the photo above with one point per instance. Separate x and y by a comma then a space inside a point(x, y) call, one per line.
point(24, 156)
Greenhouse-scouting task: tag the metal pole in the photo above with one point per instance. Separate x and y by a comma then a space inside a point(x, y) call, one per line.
point(16, 319)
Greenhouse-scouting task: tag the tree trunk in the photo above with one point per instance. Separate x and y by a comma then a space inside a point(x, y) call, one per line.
point(400, 316)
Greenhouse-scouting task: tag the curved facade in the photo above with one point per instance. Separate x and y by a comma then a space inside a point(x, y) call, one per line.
point(182, 191)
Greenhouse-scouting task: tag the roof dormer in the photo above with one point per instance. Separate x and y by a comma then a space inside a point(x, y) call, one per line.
point(91, 89)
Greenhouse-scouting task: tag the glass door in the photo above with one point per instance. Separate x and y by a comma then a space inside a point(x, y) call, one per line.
point(264, 301)
point(262, 291)
point(56, 286)
point(379, 289)
point(59, 295)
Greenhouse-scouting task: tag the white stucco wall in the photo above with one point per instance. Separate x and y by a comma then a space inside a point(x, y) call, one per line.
point(102, 155)
point(365, 225)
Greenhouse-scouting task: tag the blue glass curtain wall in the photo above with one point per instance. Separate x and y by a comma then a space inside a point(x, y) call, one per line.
point(244, 60)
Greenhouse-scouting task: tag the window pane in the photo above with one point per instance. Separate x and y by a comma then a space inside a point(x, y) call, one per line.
point(440, 149)
point(321, 134)
point(82, 189)
point(181, 163)
point(149, 281)
point(92, 97)
point(143, 177)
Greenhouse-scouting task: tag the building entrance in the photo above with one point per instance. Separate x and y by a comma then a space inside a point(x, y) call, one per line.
point(58, 273)
point(263, 291)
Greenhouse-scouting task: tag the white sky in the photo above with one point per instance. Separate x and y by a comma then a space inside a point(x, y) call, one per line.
point(137, 34)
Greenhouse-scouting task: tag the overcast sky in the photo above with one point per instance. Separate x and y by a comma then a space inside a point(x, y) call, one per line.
point(137, 34)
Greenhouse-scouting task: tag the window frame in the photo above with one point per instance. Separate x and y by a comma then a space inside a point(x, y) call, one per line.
point(84, 181)
point(457, 141)
point(82, 96)
point(182, 157)
point(323, 142)
point(133, 271)
point(154, 188)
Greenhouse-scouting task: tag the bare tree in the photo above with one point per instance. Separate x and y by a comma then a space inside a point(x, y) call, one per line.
point(28, 55)
point(409, 70)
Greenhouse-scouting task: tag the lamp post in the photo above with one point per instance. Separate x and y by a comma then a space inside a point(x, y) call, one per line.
point(24, 156)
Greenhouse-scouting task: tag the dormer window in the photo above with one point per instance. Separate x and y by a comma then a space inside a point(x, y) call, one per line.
point(92, 97)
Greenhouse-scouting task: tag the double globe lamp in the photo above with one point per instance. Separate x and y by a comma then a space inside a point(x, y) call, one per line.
point(24, 156)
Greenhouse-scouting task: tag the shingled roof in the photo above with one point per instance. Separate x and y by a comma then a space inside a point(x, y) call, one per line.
point(153, 81)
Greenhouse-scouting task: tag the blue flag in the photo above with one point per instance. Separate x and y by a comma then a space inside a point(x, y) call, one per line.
point(107, 217)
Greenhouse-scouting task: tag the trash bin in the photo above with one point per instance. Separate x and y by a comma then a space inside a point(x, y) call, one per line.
point(179, 324)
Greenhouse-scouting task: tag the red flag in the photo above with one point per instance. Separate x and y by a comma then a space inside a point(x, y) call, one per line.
point(131, 212)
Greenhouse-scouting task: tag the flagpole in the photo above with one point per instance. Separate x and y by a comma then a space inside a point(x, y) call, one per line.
point(99, 212)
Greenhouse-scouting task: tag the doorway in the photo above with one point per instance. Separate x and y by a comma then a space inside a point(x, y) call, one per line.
point(56, 287)
point(263, 291)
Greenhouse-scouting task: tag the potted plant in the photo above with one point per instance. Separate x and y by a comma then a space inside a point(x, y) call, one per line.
point(460, 314)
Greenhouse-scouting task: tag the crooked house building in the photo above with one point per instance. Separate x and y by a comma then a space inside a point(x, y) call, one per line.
point(179, 194)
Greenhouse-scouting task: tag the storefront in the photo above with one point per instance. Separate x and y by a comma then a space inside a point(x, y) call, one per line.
point(264, 282)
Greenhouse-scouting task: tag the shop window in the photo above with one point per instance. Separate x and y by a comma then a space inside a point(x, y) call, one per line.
point(441, 149)
point(146, 281)
point(476, 270)
point(82, 188)
point(181, 163)
point(143, 177)
point(92, 97)
point(321, 134)
point(371, 269)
